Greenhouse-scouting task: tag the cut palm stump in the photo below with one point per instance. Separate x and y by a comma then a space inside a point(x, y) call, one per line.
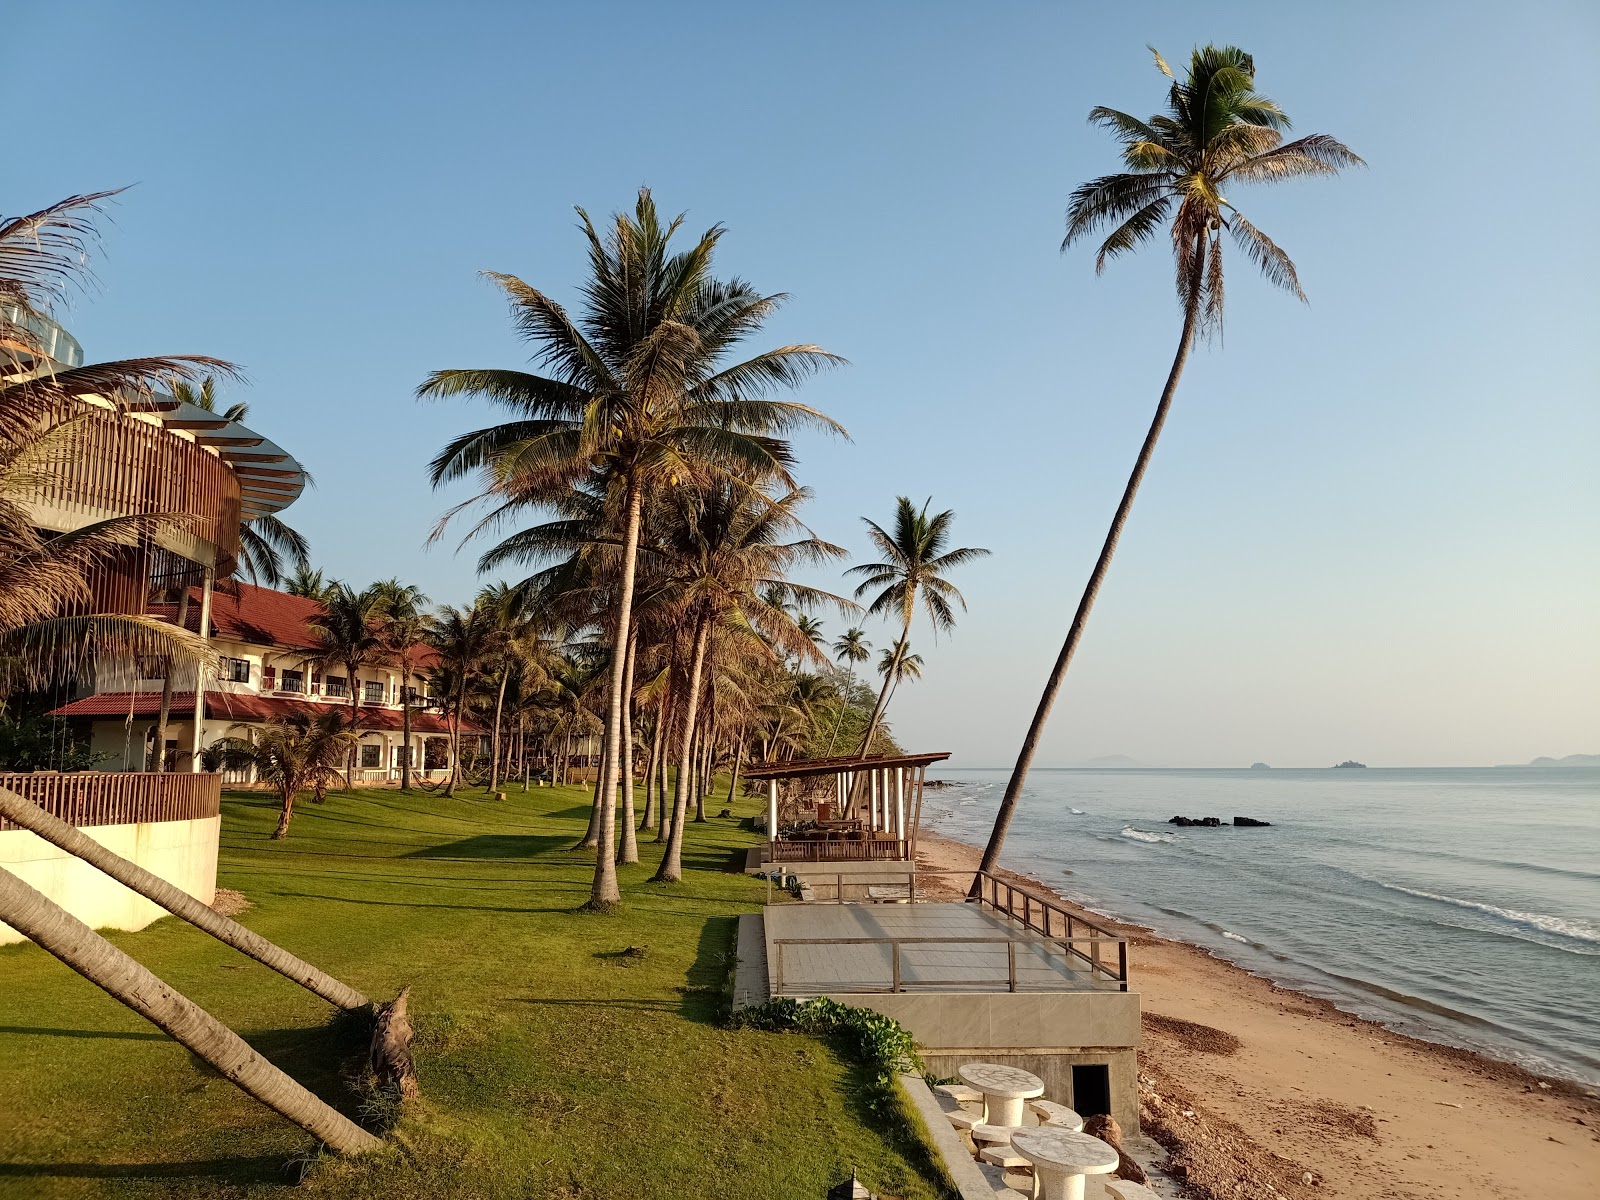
point(61, 934)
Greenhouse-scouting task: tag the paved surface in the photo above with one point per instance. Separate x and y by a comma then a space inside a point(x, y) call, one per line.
point(978, 964)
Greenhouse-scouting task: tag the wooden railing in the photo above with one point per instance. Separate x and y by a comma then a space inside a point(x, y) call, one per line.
point(84, 798)
point(126, 466)
point(839, 850)
point(1044, 915)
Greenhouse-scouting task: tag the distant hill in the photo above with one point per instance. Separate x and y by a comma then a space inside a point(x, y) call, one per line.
point(1571, 760)
point(1113, 760)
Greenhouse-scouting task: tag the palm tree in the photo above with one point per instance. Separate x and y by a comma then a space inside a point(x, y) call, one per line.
point(293, 754)
point(902, 663)
point(459, 636)
point(264, 542)
point(1217, 131)
point(915, 560)
point(729, 558)
point(638, 389)
point(850, 648)
point(308, 583)
point(402, 630)
point(347, 634)
point(510, 642)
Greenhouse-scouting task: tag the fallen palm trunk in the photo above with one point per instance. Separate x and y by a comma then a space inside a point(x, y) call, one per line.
point(59, 933)
point(176, 901)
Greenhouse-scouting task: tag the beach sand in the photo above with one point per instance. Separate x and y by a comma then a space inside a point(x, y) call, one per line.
point(1252, 1088)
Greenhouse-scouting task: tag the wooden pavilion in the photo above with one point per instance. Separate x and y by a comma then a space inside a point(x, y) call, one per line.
point(855, 809)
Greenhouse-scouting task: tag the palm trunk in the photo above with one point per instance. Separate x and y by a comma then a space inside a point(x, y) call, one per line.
point(738, 761)
point(672, 861)
point(59, 933)
point(287, 798)
point(455, 735)
point(629, 852)
point(883, 693)
point(664, 733)
point(843, 708)
point(1030, 743)
point(499, 710)
point(605, 893)
point(166, 690)
point(355, 720)
point(57, 832)
point(649, 819)
point(708, 747)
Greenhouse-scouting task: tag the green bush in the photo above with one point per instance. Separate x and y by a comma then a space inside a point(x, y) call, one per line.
point(880, 1043)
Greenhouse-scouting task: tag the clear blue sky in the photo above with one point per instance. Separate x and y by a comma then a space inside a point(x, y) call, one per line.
point(1370, 529)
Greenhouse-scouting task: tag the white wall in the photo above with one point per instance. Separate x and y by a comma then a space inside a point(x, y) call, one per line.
point(184, 853)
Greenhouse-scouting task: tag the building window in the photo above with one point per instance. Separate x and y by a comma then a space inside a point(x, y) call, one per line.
point(293, 681)
point(269, 677)
point(236, 670)
point(372, 691)
point(338, 685)
point(371, 756)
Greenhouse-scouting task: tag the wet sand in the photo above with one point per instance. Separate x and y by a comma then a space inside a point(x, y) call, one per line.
point(1254, 1088)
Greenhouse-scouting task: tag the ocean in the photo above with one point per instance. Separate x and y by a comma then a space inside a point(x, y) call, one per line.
point(1461, 906)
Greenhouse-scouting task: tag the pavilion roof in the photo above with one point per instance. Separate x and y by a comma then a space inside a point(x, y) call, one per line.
point(800, 767)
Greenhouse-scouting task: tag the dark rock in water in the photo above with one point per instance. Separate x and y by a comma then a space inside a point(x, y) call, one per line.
point(1250, 822)
point(1195, 821)
point(938, 783)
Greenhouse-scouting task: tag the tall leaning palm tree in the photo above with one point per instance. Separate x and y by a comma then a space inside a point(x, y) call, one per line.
point(1216, 134)
point(850, 647)
point(913, 567)
point(639, 388)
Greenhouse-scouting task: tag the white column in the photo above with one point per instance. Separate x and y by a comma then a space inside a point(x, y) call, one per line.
point(772, 810)
point(872, 801)
point(900, 803)
point(196, 741)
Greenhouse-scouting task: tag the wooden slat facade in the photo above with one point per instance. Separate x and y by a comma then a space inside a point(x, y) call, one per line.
point(117, 798)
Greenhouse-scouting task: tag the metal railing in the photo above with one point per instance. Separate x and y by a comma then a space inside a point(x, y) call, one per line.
point(85, 798)
point(904, 884)
point(897, 981)
point(840, 850)
point(1040, 913)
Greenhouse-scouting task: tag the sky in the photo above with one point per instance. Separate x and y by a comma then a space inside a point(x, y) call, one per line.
point(1372, 526)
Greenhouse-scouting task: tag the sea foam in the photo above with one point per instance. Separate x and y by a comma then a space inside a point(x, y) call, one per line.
point(1580, 931)
point(1144, 835)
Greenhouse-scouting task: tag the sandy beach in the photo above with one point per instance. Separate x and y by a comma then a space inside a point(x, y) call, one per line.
point(1259, 1091)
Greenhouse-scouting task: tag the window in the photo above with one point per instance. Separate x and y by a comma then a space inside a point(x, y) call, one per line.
point(269, 677)
point(338, 685)
point(371, 756)
point(236, 670)
point(293, 681)
point(372, 691)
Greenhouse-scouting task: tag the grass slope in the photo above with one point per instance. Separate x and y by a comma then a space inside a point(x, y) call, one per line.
point(549, 1064)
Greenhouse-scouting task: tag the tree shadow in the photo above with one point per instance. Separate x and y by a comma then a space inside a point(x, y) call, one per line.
point(708, 984)
point(256, 1169)
point(494, 845)
point(84, 1033)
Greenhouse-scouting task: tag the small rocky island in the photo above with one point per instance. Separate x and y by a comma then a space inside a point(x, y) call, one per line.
point(1215, 822)
point(1349, 762)
point(1260, 767)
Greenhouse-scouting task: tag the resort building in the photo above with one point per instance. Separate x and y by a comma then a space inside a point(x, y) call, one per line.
point(266, 642)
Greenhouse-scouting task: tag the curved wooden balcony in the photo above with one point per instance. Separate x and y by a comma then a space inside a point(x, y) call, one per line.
point(85, 798)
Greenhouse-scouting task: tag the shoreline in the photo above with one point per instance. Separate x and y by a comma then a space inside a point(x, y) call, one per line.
point(1253, 1086)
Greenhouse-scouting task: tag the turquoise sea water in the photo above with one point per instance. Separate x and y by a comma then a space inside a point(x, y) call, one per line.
point(1462, 906)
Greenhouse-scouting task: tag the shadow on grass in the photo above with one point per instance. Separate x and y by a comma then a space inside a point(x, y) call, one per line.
point(35, 1031)
point(505, 908)
point(494, 845)
point(708, 990)
point(258, 1169)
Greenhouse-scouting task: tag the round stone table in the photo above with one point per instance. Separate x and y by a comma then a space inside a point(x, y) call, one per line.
point(1062, 1158)
point(1004, 1090)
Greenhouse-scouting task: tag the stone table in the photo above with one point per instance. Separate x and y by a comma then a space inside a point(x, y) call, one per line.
point(1004, 1090)
point(1061, 1158)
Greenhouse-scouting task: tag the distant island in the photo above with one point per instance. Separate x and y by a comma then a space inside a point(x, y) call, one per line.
point(1260, 767)
point(1571, 760)
point(1349, 762)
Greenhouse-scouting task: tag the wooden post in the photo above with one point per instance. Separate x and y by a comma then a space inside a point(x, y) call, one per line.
point(772, 812)
point(196, 743)
point(900, 803)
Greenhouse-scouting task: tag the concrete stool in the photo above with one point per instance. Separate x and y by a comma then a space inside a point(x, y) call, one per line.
point(1059, 1115)
point(1121, 1189)
point(1017, 1181)
point(960, 1093)
point(993, 1134)
point(963, 1120)
point(1004, 1156)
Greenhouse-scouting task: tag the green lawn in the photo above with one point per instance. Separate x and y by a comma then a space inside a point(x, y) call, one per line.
point(549, 1065)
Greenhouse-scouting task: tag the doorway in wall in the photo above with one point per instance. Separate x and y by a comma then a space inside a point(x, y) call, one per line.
point(1091, 1089)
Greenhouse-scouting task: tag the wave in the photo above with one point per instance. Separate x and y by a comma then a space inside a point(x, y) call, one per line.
point(1228, 933)
point(968, 801)
point(1579, 931)
point(1144, 835)
point(1076, 811)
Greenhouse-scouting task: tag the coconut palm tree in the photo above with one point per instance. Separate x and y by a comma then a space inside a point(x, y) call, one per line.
point(850, 648)
point(402, 631)
point(729, 557)
point(1216, 134)
point(265, 543)
point(293, 754)
point(902, 663)
point(459, 636)
point(347, 633)
point(639, 387)
point(913, 567)
point(311, 584)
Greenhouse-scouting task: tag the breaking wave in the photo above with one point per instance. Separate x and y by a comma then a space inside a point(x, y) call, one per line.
point(1578, 931)
point(1144, 835)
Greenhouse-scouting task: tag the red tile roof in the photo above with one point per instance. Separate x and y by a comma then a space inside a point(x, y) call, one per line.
point(246, 708)
point(263, 617)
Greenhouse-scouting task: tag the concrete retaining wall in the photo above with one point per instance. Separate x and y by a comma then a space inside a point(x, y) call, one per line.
point(184, 853)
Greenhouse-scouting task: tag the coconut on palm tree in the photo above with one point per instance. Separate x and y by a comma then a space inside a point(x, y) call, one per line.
point(639, 388)
point(1182, 168)
point(914, 563)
